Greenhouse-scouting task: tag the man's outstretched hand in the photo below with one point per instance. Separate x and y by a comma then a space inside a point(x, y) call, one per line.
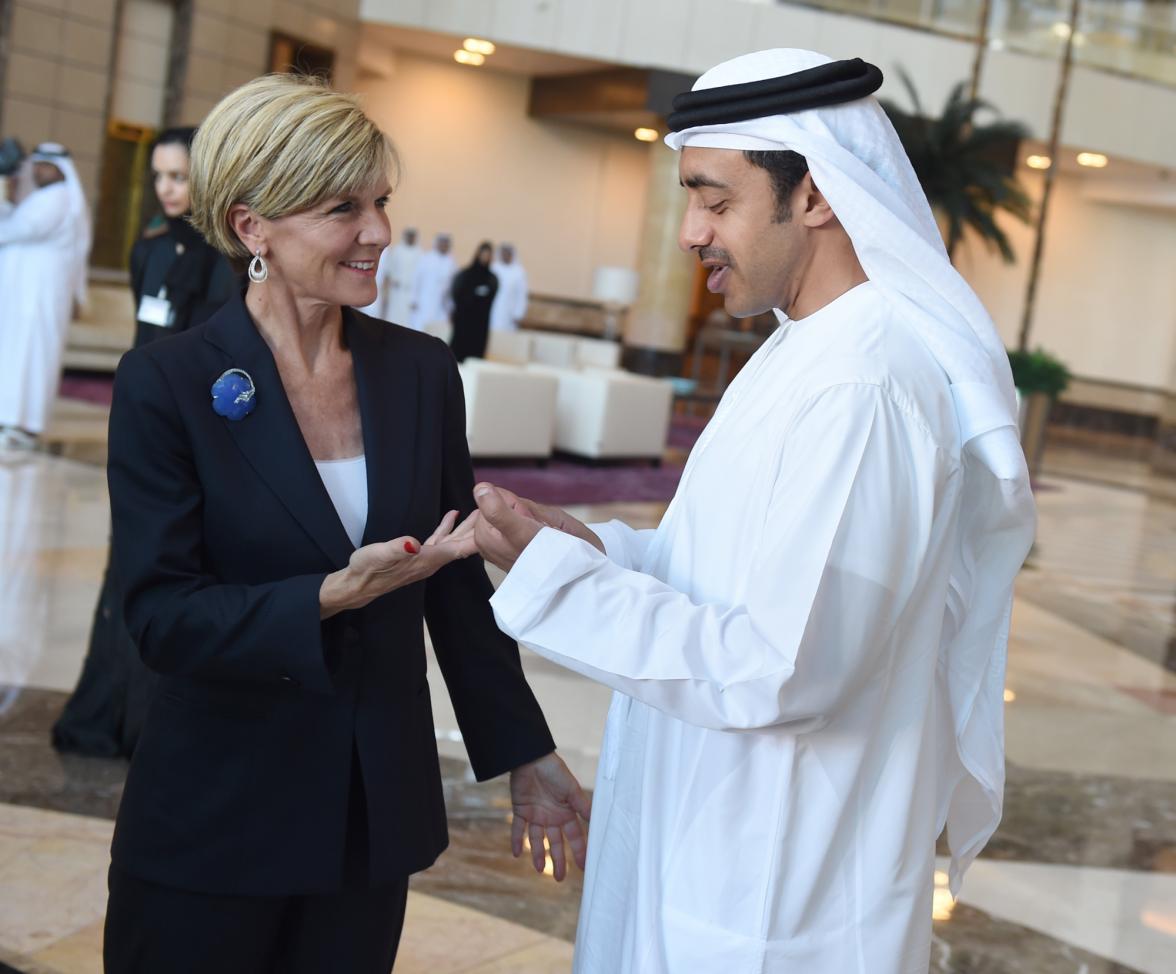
point(549, 803)
point(508, 523)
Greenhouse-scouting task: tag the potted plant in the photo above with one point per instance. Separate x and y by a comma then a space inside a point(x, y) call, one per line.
point(963, 165)
point(1040, 379)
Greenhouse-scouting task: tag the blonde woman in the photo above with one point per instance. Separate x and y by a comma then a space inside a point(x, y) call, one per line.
point(271, 472)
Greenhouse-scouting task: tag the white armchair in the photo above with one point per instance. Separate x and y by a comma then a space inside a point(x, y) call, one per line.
point(597, 353)
point(610, 414)
point(552, 348)
point(510, 411)
point(548, 348)
point(509, 346)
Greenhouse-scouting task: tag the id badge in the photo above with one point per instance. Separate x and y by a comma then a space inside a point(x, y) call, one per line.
point(156, 311)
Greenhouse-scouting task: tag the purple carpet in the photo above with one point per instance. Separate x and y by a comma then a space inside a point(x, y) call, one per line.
point(88, 388)
point(564, 482)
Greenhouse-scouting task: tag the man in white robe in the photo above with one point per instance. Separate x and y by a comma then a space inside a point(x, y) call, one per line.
point(431, 280)
point(510, 300)
point(394, 277)
point(44, 246)
point(808, 652)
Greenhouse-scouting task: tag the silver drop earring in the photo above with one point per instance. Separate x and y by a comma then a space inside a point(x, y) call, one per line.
point(258, 270)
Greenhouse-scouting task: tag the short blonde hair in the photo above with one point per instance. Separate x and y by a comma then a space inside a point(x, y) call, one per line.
point(281, 144)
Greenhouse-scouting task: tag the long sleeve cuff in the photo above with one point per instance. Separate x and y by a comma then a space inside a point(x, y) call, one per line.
point(611, 535)
point(551, 560)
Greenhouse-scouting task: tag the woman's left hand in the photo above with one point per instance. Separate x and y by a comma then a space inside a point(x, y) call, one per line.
point(551, 811)
point(380, 568)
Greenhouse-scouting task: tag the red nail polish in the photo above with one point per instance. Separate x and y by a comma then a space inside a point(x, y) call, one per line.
point(410, 547)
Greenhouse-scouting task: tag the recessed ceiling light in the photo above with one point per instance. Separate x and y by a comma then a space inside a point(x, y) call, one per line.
point(645, 135)
point(1038, 162)
point(462, 56)
point(475, 45)
point(1093, 160)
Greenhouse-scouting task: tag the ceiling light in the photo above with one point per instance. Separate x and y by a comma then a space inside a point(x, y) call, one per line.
point(1094, 160)
point(1038, 162)
point(463, 56)
point(1060, 30)
point(1009, 695)
point(645, 135)
point(475, 45)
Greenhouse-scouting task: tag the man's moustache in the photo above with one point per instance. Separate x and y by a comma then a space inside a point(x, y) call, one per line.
point(713, 253)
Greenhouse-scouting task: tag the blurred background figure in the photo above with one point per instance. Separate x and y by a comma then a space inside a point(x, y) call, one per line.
point(510, 304)
point(394, 279)
point(44, 246)
point(178, 281)
point(473, 295)
point(11, 157)
point(430, 285)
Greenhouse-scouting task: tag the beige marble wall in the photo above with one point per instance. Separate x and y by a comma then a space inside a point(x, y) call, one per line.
point(1106, 297)
point(61, 66)
point(230, 44)
point(659, 318)
point(142, 61)
point(58, 77)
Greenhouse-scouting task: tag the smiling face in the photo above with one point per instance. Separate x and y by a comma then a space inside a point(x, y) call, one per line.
point(731, 223)
point(327, 254)
point(169, 173)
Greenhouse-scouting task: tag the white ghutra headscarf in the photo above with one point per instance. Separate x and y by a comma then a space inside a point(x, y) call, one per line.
point(860, 167)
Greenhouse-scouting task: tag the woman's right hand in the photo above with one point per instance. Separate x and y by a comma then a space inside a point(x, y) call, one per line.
point(377, 569)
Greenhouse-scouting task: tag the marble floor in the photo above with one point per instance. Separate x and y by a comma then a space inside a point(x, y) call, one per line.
point(1081, 876)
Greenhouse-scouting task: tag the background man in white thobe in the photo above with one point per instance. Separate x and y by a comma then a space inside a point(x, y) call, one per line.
point(394, 277)
point(510, 301)
point(808, 652)
point(430, 285)
point(44, 246)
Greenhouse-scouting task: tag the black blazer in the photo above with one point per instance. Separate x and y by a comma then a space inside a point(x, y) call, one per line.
point(223, 533)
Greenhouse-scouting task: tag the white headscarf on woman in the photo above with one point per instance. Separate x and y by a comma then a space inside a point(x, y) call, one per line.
point(859, 165)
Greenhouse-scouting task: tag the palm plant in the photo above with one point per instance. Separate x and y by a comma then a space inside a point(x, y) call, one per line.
point(958, 162)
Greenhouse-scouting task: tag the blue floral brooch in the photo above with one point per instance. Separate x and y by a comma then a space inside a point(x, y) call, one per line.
point(234, 395)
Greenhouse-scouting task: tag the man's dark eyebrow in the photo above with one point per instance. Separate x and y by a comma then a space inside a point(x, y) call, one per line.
point(697, 182)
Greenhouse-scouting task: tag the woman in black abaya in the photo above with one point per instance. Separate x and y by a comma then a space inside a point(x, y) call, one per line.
point(473, 293)
point(178, 280)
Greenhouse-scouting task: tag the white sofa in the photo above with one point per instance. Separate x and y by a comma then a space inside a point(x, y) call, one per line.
point(510, 411)
point(597, 353)
point(610, 414)
point(509, 346)
point(552, 348)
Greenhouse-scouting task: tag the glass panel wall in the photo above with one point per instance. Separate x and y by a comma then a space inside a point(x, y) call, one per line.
point(1132, 37)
